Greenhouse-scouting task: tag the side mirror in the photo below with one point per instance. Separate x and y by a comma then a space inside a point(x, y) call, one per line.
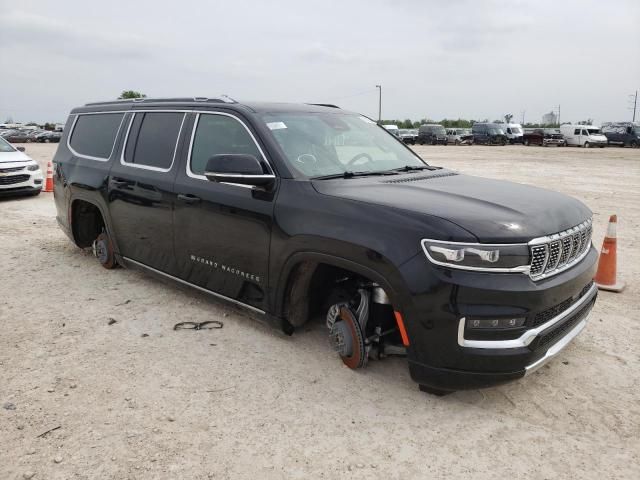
point(20, 149)
point(237, 168)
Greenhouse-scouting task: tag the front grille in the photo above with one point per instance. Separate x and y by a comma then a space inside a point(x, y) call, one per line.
point(557, 333)
point(12, 169)
point(549, 313)
point(555, 253)
point(13, 179)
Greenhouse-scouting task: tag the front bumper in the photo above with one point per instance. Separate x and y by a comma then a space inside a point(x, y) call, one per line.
point(440, 356)
point(19, 181)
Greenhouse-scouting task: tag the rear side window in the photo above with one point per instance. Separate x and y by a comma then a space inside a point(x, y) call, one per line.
point(94, 135)
point(153, 139)
point(216, 134)
point(576, 131)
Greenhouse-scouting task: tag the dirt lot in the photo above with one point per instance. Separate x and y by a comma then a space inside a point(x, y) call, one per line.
point(247, 402)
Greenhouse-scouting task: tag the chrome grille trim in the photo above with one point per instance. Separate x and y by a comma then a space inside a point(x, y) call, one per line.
point(558, 252)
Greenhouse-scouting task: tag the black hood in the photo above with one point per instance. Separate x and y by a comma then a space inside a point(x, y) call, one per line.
point(492, 210)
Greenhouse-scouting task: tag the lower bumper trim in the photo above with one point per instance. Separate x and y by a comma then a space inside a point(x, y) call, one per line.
point(556, 348)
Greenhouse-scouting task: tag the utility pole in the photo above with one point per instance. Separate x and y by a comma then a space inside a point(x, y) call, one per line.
point(559, 116)
point(379, 87)
point(635, 104)
point(523, 112)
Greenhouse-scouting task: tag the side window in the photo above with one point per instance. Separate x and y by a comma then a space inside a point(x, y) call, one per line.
point(576, 131)
point(216, 134)
point(94, 135)
point(584, 132)
point(153, 138)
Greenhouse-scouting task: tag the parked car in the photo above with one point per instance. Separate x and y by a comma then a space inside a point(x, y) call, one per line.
point(408, 135)
point(299, 212)
point(624, 134)
point(48, 137)
point(513, 132)
point(488, 134)
point(19, 174)
point(17, 136)
point(7, 132)
point(432, 134)
point(544, 137)
point(583, 136)
point(460, 136)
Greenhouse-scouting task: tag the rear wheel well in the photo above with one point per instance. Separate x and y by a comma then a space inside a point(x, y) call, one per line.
point(312, 287)
point(86, 223)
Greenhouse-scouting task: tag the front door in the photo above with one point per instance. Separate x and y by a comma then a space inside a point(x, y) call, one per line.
point(141, 189)
point(222, 231)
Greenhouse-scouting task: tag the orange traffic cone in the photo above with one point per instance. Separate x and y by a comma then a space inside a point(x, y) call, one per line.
point(48, 183)
point(606, 275)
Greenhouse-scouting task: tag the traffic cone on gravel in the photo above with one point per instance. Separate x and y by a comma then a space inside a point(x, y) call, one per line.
point(607, 264)
point(48, 183)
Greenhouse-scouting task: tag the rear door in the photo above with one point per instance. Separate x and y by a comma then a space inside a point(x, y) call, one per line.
point(222, 231)
point(141, 188)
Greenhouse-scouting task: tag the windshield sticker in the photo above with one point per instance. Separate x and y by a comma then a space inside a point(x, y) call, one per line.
point(276, 125)
point(367, 120)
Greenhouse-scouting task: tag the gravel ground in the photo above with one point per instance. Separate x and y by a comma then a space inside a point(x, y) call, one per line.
point(136, 399)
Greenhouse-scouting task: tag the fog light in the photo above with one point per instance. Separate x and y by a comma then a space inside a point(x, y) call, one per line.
point(495, 323)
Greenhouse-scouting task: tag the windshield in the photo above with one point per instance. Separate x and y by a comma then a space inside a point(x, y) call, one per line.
point(594, 131)
point(5, 146)
point(636, 131)
point(516, 130)
point(321, 144)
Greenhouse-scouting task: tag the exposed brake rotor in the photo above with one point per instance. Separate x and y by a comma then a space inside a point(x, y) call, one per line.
point(348, 338)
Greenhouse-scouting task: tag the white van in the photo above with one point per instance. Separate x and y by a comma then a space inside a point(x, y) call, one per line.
point(583, 136)
point(393, 129)
point(513, 131)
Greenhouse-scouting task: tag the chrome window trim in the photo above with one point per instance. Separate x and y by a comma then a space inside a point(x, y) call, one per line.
point(197, 287)
point(149, 167)
point(519, 269)
point(239, 175)
point(193, 134)
point(528, 336)
point(89, 157)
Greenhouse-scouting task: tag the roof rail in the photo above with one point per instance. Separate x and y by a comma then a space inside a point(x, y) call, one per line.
point(330, 105)
point(221, 99)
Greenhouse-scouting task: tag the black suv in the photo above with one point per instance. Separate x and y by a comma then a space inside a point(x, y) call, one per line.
point(299, 212)
point(622, 134)
point(432, 134)
point(488, 134)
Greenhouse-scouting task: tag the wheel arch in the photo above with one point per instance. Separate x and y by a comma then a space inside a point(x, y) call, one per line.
point(299, 272)
point(78, 202)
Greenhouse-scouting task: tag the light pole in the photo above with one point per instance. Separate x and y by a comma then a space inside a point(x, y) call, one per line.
point(559, 116)
point(379, 87)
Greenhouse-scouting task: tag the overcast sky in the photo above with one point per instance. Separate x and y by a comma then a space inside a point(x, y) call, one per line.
point(471, 59)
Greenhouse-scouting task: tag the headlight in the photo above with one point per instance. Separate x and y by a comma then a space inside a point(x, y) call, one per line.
point(478, 256)
point(33, 168)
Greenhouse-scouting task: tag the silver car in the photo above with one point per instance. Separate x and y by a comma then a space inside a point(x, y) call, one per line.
point(459, 136)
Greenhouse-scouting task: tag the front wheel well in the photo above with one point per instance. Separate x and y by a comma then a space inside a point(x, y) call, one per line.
point(86, 223)
point(313, 286)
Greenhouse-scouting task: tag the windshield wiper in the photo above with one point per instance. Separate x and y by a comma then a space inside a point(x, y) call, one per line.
point(413, 168)
point(350, 174)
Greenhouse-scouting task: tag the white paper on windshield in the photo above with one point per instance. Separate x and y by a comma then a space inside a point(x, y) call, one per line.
point(368, 120)
point(276, 125)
